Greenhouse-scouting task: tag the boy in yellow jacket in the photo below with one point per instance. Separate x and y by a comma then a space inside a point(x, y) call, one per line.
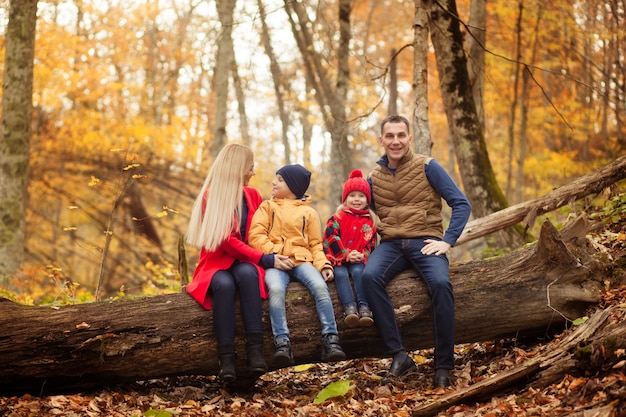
point(288, 225)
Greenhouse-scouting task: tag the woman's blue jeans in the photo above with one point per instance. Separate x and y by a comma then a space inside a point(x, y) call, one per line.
point(344, 285)
point(389, 259)
point(277, 281)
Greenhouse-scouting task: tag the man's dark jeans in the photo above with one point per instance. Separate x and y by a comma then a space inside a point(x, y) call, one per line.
point(389, 259)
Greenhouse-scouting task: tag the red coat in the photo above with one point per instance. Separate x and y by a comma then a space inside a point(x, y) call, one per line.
point(225, 255)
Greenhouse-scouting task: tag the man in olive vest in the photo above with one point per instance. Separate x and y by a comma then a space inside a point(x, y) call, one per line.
point(407, 193)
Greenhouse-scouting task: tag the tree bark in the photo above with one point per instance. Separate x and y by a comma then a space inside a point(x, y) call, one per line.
point(244, 126)
point(422, 141)
point(392, 107)
point(15, 131)
point(223, 64)
point(46, 350)
point(476, 46)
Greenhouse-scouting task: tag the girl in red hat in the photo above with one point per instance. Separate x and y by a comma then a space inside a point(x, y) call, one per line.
point(349, 238)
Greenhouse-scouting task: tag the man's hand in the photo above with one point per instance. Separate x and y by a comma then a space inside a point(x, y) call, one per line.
point(283, 262)
point(328, 274)
point(436, 247)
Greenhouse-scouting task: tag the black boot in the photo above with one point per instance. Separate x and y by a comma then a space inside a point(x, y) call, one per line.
point(228, 360)
point(254, 353)
point(331, 350)
point(442, 378)
point(282, 354)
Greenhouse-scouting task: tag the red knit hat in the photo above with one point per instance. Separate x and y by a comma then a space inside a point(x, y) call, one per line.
point(356, 182)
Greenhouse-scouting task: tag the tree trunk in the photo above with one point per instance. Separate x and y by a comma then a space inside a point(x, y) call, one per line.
point(341, 155)
point(422, 141)
point(479, 179)
point(524, 111)
point(515, 96)
point(392, 106)
point(280, 81)
point(223, 65)
point(476, 46)
point(244, 126)
point(15, 131)
point(532, 291)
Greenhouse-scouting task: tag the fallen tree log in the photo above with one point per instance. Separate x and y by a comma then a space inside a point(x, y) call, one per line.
point(531, 291)
point(526, 212)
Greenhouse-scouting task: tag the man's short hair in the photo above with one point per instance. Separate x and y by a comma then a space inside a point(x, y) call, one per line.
point(395, 119)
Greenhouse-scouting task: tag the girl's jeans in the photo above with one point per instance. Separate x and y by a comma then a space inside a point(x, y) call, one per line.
point(344, 285)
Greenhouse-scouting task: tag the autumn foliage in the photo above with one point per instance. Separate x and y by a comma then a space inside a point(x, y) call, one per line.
point(124, 104)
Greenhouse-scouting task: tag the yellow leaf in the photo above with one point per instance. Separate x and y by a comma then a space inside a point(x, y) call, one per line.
point(419, 359)
point(302, 368)
point(131, 166)
point(93, 181)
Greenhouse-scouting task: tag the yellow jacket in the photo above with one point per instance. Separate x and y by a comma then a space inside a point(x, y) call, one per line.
point(289, 227)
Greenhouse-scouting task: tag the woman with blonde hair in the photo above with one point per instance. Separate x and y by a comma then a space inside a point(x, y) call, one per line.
point(219, 224)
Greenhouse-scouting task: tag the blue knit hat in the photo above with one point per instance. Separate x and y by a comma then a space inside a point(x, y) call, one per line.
point(297, 178)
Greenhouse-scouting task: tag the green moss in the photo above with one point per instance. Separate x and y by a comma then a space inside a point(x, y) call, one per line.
point(610, 342)
point(583, 352)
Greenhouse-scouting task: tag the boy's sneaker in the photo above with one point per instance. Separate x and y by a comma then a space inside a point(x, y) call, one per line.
point(366, 318)
point(282, 354)
point(350, 316)
point(331, 350)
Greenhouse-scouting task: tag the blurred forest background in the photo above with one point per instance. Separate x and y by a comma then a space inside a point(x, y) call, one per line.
point(132, 99)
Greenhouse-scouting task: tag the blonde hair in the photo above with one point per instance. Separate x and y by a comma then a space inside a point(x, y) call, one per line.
point(216, 211)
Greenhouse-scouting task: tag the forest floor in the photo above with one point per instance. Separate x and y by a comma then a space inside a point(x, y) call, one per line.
point(581, 392)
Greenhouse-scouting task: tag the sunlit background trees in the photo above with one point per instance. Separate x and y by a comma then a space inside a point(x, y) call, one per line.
point(132, 99)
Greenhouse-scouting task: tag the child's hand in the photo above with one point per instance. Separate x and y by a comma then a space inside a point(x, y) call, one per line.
point(328, 274)
point(283, 262)
point(355, 256)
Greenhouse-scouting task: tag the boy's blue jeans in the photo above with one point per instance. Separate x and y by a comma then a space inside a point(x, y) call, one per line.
point(389, 259)
point(344, 285)
point(277, 281)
